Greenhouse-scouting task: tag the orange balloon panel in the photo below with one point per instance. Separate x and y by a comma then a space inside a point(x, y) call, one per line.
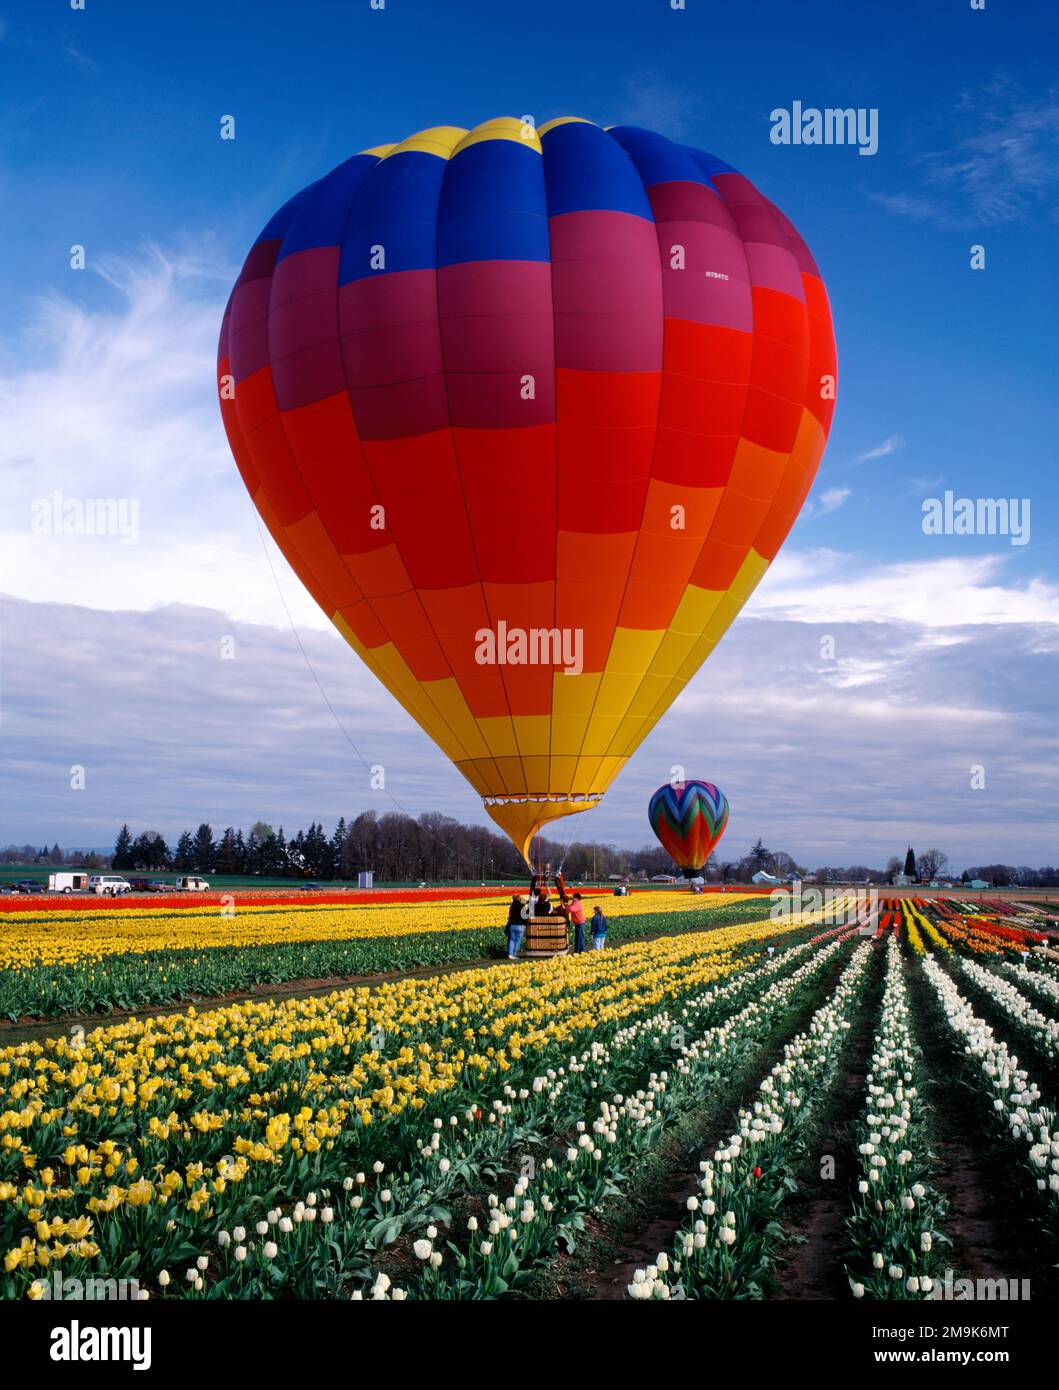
point(530, 413)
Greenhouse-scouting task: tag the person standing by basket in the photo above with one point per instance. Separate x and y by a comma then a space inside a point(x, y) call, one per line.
point(577, 918)
point(516, 927)
point(599, 929)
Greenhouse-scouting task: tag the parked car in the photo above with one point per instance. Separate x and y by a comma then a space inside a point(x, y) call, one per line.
point(67, 882)
point(31, 885)
point(312, 887)
point(158, 885)
point(139, 885)
point(191, 883)
point(109, 885)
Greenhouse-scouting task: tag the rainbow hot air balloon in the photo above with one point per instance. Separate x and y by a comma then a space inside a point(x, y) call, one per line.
point(689, 818)
point(530, 412)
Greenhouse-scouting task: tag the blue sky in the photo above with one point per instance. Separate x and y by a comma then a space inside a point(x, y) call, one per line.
point(109, 123)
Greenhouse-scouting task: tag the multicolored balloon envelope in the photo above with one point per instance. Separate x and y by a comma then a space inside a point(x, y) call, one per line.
point(530, 412)
point(689, 818)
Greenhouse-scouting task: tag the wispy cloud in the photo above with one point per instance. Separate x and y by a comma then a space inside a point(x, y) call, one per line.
point(919, 486)
point(1004, 166)
point(832, 498)
point(945, 593)
point(888, 446)
point(81, 59)
point(913, 205)
point(120, 403)
point(657, 102)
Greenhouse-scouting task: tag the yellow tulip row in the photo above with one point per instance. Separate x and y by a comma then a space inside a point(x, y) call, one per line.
point(66, 938)
point(275, 1080)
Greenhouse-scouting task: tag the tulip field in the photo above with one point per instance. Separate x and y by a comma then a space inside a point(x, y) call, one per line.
point(647, 1122)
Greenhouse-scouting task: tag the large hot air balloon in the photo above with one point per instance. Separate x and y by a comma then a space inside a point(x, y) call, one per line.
point(689, 818)
point(530, 412)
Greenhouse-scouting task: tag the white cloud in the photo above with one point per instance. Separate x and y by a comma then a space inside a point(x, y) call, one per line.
point(944, 593)
point(879, 451)
point(120, 403)
point(837, 760)
point(832, 498)
point(653, 100)
point(1003, 169)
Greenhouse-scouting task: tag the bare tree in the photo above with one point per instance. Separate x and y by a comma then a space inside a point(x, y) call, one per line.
point(931, 862)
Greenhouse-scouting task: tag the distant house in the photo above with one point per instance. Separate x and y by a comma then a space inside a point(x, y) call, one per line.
point(762, 877)
point(902, 881)
point(978, 883)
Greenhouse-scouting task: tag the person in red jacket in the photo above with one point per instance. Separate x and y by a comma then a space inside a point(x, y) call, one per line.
point(577, 917)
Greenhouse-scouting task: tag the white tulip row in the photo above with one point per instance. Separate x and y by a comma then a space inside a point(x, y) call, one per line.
point(1043, 1030)
point(565, 1189)
point(1040, 981)
point(435, 1169)
point(709, 1253)
point(893, 1207)
point(1015, 1098)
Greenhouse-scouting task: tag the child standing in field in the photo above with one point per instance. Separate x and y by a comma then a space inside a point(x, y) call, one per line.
point(577, 917)
point(599, 929)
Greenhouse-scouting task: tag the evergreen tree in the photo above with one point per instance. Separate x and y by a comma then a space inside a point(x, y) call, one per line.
point(296, 853)
point(185, 853)
point(910, 864)
point(760, 857)
point(240, 853)
point(280, 858)
point(204, 849)
point(338, 840)
point(122, 857)
point(226, 862)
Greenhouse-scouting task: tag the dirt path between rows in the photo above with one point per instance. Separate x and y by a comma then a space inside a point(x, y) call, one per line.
point(817, 1213)
point(663, 1212)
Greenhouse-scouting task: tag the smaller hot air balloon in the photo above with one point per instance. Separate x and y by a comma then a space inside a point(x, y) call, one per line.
point(689, 818)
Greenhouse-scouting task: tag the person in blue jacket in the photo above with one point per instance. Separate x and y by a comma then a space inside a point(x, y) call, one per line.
point(599, 928)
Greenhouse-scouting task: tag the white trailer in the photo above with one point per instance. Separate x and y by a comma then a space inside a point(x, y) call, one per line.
point(76, 882)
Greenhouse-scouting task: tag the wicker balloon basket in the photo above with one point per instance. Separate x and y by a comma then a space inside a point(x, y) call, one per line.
point(546, 936)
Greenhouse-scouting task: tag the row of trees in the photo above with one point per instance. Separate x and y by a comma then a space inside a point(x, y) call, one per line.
point(30, 854)
point(399, 847)
point(435, 847)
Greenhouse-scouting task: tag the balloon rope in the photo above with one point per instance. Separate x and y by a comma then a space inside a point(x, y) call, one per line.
point(334, 714)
